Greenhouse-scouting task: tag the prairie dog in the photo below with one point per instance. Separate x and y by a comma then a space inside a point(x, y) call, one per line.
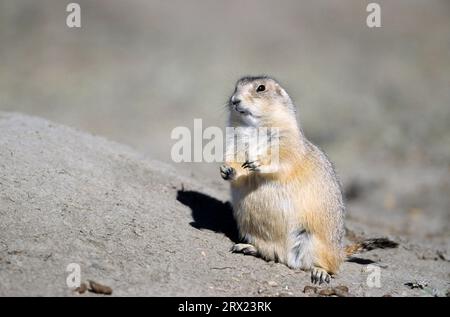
point(288, 210)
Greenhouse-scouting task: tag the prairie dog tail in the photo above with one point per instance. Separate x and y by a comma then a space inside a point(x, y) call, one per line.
point(369, 244)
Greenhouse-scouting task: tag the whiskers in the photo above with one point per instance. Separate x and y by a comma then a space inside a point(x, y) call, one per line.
point(224, 109)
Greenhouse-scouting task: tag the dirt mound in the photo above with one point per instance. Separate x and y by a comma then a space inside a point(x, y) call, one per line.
point(140, 228)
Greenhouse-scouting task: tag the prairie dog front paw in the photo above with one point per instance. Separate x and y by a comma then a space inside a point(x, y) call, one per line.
point(253, 166)
point(227, 172)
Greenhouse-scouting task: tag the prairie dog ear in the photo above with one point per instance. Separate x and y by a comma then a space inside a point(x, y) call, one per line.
point(280, 91)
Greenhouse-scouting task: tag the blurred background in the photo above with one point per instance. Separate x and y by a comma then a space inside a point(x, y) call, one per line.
point(377, 100)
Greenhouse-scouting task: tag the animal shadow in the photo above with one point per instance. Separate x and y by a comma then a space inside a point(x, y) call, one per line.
point(210, 213)
point(361, 261)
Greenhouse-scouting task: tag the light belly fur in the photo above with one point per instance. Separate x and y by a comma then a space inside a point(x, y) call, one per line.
point(268, 221)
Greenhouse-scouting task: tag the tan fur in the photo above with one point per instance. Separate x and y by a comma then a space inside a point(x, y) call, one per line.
point(369, 244)
point(352, 249)
point(299, 204)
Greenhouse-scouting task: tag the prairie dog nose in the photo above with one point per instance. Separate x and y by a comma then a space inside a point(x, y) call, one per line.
point(235, 101)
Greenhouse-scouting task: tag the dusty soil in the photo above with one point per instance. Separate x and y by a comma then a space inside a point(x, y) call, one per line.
point(376, 100)
point(141, 227)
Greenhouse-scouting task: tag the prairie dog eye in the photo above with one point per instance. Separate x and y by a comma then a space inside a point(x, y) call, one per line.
point(260, 88)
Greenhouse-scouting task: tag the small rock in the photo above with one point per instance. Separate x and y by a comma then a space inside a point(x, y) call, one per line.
point(310, 289)
point(98, 288)
point(342, 288)
point(329, 291)
point(81, 289)
point(341, 291)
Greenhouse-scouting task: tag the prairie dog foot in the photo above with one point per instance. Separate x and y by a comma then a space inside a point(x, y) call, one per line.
point(244, 248)
point(227, 172)
point(319, 275)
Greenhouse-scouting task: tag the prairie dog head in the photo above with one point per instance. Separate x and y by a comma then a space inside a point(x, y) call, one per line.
point(260, 102)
